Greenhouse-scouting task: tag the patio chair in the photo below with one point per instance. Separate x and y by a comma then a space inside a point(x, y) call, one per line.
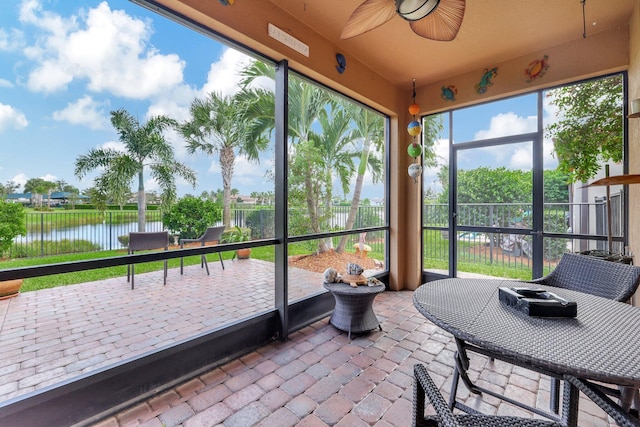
point(212, 235)
point(595, 276)
point(591, 275)
point(146, 241)
point(424, 385)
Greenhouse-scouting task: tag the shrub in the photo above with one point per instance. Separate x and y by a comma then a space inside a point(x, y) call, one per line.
point(262, 223)
point(190, 217)
point(39, 248)
point(12, 224)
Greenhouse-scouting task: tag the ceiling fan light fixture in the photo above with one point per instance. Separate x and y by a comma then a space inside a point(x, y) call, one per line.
point(414, 10)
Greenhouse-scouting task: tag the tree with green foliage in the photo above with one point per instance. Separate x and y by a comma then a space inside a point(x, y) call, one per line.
point(219, 125)
point(12, 224)
point(38, 187)
point(487, 185)
point(9, 188)
point(335, 145)
point(305, 102)
point(369, 132)
point(191, 216)
point(589, 132)
point(145, 148)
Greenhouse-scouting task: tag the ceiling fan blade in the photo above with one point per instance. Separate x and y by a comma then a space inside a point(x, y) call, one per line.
point(443, 23)
point(369, 15)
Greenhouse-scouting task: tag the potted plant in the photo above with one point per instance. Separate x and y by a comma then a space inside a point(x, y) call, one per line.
point(235, 236)
point(12, 225)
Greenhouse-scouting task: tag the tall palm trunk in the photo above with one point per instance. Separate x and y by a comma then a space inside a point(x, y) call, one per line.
point(357, 192)
point(328, 205)
point(142, 203)
point(227, 161)
point(312, 207)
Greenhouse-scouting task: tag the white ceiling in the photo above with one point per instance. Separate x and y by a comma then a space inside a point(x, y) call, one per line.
point(492, 31)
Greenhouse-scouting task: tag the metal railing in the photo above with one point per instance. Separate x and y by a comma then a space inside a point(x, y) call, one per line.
point(55, 233)
point(571, 227)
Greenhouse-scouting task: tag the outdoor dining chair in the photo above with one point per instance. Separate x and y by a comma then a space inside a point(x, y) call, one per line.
point(212, 235)
point(595, 276)
point(146, 241)
point(423, 385)
point(591, 275)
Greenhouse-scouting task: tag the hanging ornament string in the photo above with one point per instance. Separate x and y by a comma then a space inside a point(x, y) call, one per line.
point(414, 128)
point(584, 21)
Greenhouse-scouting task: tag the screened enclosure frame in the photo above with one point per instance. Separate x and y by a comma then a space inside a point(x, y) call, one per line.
point(92, 396)
point(537, 232)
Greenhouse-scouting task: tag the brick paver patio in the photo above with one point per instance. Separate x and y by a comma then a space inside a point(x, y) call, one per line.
point(317, 378)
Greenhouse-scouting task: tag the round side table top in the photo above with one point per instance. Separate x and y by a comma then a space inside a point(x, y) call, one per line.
point(346, 289)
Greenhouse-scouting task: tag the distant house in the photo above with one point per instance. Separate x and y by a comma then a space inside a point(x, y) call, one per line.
point(246, 200)
point(62, 197)
point(24, 198)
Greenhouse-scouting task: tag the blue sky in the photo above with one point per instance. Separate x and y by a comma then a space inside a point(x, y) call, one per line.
point(65, 64)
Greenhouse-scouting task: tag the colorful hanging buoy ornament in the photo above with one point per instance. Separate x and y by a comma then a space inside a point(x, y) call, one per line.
point(414, 129)
point(414, 150)
point(415, 170)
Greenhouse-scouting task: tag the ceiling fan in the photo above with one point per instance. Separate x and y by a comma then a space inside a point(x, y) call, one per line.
point(432, 19)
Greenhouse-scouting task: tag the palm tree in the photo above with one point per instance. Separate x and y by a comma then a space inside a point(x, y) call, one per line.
point(336, 150)
point(369, 129)
point(219, 125)
point(145, 148)
point(305, 103)
point(38, 187)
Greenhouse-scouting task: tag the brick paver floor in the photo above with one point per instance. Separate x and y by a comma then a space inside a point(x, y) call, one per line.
point(317, 378)
point(56, 334)
point(321, 378)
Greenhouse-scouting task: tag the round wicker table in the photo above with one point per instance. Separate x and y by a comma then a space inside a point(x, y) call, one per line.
point(599, 344)
point(354, 307)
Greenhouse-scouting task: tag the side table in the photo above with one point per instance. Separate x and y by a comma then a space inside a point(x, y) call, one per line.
point(354, 307)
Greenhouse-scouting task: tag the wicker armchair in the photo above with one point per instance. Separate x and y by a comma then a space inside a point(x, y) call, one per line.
point(424, 385)
point(595, 276)
point(591, 275)
point(141, 241)
point(212, 235)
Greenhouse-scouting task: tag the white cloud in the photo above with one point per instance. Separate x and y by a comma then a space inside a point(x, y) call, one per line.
point(49, 177)
point(522, 158)
point(214, 167)
point(11, 41)
point(506, 124)
point(107, 48)
point(224, 75)
point(441, 148)
point(84, 111)
point(20, 179)
point(114, 145)
point(5, 83)
point(150, 184)
point(11, 118)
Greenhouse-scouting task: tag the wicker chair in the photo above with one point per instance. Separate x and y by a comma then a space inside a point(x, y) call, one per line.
point(595, 276)
point(598, 396)
point(141, 241)
point(424, 385)
point(591, 275)
point(212, 235)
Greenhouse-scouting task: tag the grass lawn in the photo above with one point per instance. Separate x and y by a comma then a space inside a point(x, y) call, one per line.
point(32, 284)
